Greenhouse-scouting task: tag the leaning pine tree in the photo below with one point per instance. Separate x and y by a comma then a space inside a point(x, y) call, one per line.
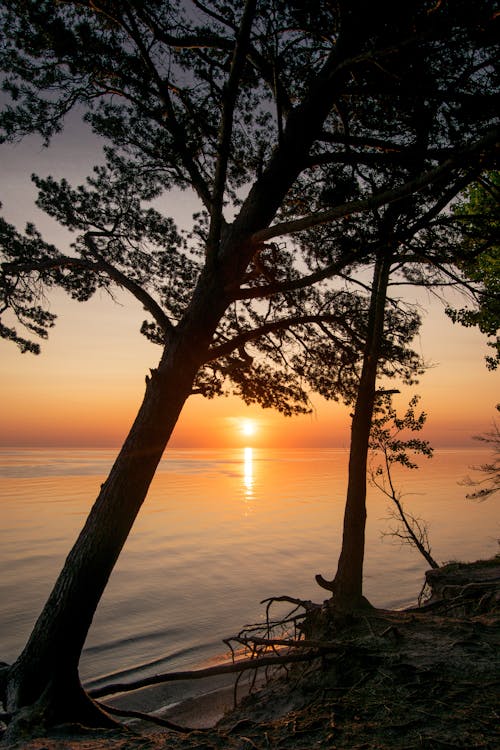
point(240, 104)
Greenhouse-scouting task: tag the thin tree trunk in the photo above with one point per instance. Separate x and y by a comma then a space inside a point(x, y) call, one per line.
point(413, 538)
point(347, 586)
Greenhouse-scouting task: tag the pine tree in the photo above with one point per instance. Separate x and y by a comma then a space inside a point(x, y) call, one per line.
point(245, 106)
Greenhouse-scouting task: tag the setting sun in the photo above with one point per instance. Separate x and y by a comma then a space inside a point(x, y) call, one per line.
point(248, 427)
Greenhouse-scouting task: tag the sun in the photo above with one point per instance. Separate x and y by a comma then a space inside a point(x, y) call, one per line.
point(248, 427)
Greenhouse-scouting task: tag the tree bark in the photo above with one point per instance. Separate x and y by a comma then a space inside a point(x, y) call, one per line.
point(47, 670)
point(45, 676)
point(347, 586)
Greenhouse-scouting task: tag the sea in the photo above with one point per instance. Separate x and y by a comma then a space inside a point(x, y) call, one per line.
point(219, 532)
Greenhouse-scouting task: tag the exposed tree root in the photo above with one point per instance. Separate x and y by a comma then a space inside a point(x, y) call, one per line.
point(419, 678)
point(57, 704)
point(462, 588)
point(339, 605)
point(34, 705)
point(328, 585)
point(151, 718)
point(396, 680)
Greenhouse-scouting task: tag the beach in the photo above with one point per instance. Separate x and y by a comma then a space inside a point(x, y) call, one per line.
point(420, 678)
point(196, 704)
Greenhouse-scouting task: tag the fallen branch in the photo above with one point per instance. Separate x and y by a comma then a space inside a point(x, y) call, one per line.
point(307, 604)
point(241, 666)
point(255, 640)
point(149, 717)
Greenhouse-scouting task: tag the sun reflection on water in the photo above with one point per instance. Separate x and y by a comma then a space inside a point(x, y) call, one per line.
point(248, 472)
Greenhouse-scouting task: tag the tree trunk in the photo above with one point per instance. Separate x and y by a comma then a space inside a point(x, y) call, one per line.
point(44, 680)
point(347, 586)
point(416, 539)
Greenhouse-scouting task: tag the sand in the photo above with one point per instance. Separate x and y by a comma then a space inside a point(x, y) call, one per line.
point(196, 704)
point(415, 679)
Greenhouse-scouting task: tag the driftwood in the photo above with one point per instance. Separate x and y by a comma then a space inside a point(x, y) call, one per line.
point(147, 717)
point(235, 667)
point(289, 643)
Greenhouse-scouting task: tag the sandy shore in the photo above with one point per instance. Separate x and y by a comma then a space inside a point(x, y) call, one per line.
point(191, 703)
point(194, 706)
point(420, 678)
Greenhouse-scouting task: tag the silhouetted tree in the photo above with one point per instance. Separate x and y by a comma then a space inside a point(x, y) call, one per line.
point(421, 245)
point(407, 245)
point(245, 105)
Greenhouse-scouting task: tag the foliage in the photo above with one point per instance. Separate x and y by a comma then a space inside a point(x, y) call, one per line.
point(155, 81)
point(285, 123)
point(478, 216)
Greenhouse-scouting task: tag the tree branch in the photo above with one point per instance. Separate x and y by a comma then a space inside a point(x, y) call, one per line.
point(100, 266)
point(213, 14)
point(132, 286)
point(368, 158)
point(239, 666)
point(243, 338)
point(379, 199)
point(230, 95)
point(435, 210)
point(361, 141)
point(206, 40)
point(277, 287)
point(171, 122)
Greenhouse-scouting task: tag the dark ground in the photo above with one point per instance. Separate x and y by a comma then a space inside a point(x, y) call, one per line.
point(425, 679)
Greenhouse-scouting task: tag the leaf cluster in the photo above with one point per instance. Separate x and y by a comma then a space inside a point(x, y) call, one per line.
point(477, 213)
point(389, 433)
point(490, 483)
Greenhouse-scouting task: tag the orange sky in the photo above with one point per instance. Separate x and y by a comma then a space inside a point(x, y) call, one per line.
point(85, 387)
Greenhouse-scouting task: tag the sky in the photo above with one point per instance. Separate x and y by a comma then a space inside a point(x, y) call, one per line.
point(85, 387)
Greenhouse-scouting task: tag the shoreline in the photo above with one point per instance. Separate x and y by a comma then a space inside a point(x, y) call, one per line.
point(423, 677)
point(194, 704)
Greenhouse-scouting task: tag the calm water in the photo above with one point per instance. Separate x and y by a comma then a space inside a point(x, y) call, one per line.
point(219, 532)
